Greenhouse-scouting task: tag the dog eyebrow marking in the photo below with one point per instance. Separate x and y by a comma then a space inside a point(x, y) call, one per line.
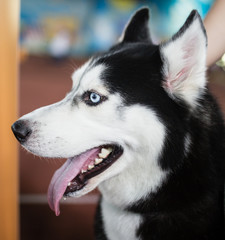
point(81, 73)
point(78, 75)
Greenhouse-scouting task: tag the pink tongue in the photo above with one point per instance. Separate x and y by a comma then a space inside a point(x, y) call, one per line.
point(66, 173)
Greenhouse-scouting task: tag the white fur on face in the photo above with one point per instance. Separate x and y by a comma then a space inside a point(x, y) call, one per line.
point(64, 129)
point(142, 173)
point(67, 129)
point(136, 173)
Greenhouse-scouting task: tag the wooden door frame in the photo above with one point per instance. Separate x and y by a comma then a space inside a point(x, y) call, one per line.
point(9, 200)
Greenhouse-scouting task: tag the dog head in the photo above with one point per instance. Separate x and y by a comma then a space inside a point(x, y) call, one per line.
point(125, 105)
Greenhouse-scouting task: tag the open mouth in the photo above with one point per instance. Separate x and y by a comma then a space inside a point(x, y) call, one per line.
point(76, 171)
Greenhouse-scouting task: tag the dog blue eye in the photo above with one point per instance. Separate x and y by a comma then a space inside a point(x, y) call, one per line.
point(94, 97)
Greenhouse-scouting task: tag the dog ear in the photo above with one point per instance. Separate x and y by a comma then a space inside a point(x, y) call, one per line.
point(137, 29)
point(184, 58)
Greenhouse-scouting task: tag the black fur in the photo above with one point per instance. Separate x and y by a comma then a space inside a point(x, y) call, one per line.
point(137, 29)
point(99, 225)
point(190, 204)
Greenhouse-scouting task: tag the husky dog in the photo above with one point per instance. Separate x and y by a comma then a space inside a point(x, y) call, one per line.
point(139, 124)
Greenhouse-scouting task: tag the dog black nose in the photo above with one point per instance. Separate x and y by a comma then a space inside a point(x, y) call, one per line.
point(21, 130)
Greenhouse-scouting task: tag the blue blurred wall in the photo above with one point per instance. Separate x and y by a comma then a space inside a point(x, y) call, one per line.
point(95, 25)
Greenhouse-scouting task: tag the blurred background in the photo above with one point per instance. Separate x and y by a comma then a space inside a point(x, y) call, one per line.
point(56, 37)
point(80, 28)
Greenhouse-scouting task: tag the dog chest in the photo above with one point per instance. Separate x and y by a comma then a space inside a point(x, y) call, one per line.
point(119, 224)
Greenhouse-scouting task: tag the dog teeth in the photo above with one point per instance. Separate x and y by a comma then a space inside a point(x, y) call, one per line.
point(90, 167)
point(105, 152)
point(98, 160)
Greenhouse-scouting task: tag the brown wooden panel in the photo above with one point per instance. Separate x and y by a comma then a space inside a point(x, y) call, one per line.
point(74, 223)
